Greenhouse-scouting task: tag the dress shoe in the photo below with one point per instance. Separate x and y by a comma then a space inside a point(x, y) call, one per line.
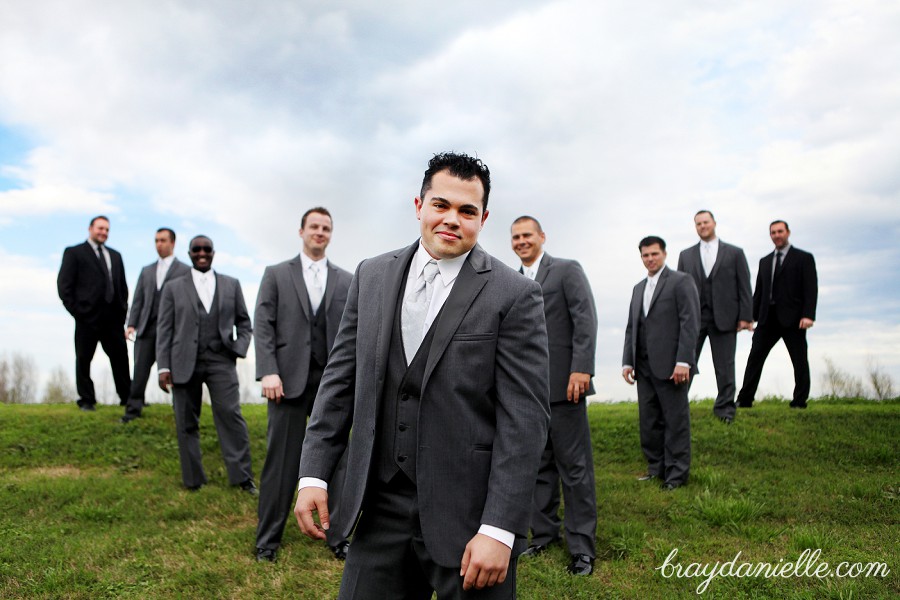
point(126, 420)
point(340, 551)
point(798, 405)
point(265, 555)
point(647, 477)
point(86, 407)
point(536, 549)
point(668, 487)
point(250, 487)
point(581, 564)
point(745, 405)
point(727, 420)
point(194, 488)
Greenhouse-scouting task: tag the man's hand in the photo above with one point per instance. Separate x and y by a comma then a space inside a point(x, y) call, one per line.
point(806, 323)
point(484, 563)
point(129, 334)
point(628, 375)
point(272, 388)
point(745, 326)
point(578, 386)
point(309, 500)
point(165, 381)
point(681, 375)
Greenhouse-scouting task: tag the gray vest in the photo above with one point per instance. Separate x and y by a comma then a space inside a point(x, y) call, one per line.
point(318, 334)
point(399, 417)
point(208, 340)
point(706, 293)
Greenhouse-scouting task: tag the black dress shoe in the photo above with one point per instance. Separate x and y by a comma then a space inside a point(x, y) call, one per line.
point(86, 407)
point(727, 420)
point(535, 549)
point(798, 405)
point(340, 551)
point(265, 555)
point(194, 488)
point(745, 405)
point(581, 564)
point(668, 487)
point(250, 487)
point(647, 477)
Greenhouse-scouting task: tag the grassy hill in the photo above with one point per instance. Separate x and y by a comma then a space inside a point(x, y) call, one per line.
point(93, 509)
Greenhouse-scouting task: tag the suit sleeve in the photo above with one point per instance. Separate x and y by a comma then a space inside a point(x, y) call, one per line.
point(68, 280)
point(688, 302)
point(627, 354)
point(757, 293)
point(583, 313)
point(522, 412)
point(329, 425)
point(810, 288)
point(165, 328)
point(137, 303)
point(681, 266)
point(745, 298)
point(266, 316)
point(241, 322)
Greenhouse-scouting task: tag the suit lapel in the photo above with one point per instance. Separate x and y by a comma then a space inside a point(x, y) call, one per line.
point(296, 271)
point(720, 256)
point(393, 280)
point(660, 285)
point(329, 286)
point(471, 279)
point(89, 251)
point(194, 297)
point(697, 263)
point(544, 269)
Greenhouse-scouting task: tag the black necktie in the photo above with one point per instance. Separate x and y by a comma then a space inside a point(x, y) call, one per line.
point(776, 273)
point(108, 293)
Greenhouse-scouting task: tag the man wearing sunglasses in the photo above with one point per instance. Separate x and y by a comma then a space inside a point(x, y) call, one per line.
point(195, 344)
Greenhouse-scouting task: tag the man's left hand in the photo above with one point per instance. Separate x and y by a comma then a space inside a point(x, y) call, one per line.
point(484, 563)
point(681, 375)
point(806, 323)
point(579, 383)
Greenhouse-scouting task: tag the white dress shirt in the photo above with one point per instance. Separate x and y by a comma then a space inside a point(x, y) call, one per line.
point(532, 271)
point(315, 288)
point(162, 268)
point(709, 251)
point(205, 284)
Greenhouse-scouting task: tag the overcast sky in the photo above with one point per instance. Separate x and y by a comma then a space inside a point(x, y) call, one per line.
point(607, 120)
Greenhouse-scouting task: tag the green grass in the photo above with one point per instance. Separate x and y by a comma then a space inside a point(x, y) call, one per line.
point(92, 509)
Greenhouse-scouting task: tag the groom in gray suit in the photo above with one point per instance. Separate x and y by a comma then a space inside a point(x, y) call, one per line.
point(660, 354)
point(722, 277)
point(440, 367)
point(572, 333)
point(298, 310)
point(143, 315)
point(195, 344)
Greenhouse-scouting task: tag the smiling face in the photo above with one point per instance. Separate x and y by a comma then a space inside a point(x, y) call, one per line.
point(527, 241)
point(706, 226)
point(316, 235)
point(201, 253)
point(99, 231)
point(451, 215)
point(654, 258)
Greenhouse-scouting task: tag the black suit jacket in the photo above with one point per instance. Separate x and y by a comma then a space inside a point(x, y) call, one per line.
point(81, 286)
point(797, 290)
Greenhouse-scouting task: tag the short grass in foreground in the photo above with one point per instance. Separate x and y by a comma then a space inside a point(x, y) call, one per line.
point(92, 509)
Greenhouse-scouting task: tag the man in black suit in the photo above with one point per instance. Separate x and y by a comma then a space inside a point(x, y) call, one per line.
point(572, 333)
point(784, 306)
point(92, 287)
point(298, 310)
point(722, 276)
point(440, 368)
point(142, 316)
point(203, 328)
point(660, 355)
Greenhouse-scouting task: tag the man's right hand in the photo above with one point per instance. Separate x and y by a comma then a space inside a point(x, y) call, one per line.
point(165, 381)
point(309, 500)
point(628, 375)
point(129, 334)
point(272, 388)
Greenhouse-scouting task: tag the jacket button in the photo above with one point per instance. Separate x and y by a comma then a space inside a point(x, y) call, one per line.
point(404, 397)
point(403, 427)
point(401, 458)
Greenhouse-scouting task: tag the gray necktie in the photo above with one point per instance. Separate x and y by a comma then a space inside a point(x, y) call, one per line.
point(415, 309)
point(317, 290)
point(648, 295)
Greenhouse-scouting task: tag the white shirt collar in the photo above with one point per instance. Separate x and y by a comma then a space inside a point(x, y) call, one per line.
point(448, 267)
point(654, 279)
point(713, 243)
point(534, 266)
point(93, 244)
point(200, 276)
point(308, 262)
point(167, 261)
point(784, 250)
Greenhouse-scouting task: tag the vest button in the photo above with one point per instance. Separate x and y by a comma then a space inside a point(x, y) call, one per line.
point(403, 427)
point(401, 458)
point(404, 397)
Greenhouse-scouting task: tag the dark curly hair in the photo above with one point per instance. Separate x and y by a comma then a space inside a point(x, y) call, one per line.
point(462, 166)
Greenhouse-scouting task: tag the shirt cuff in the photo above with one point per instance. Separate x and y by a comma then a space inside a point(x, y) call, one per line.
point(501, 535)
point(312, 482)
point(162, 370)
point(627, 367)
point(683, 364)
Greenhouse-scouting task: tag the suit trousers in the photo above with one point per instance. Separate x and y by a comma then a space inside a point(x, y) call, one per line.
point(665, 425)
point(111, 337)
point(220, 376)
point(388, 557)
point(569, 458)
point(144, 357)
point(764, 339)
point(723, 345)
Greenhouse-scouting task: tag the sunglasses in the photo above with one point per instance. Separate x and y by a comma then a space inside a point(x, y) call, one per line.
point(207, 249)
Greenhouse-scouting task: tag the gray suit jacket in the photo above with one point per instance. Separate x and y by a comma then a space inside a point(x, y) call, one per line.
point(178, 324)
point(571, 322)
point(732, 300)
point(142, 303)
point(282, 319)
point(672, 324)
point(484, 409)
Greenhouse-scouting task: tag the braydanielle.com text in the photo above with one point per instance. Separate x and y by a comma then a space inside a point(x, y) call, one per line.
point(806, 565)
